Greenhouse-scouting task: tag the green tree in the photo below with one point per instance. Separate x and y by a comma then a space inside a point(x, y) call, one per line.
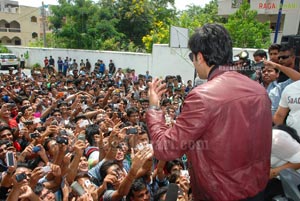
point(4, 49)
point(164, 13)
point(160, 34)
point(246, 30)
point(136, 19)
point(84, 24)
point(191, 18)
point(196, 16)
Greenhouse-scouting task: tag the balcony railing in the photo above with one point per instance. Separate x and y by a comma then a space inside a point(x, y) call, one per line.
point(237, 3)
point(4, 29)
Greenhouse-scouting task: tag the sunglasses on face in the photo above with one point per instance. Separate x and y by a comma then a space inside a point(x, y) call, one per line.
point(191, 56)
point(284, 57)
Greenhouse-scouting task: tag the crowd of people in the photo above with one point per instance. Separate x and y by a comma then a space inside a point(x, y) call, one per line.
point(85, 128)
point(70, 133)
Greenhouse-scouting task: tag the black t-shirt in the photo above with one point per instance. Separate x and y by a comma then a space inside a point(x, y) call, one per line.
point(112, 68)
point(283, 77)
point(51, 61)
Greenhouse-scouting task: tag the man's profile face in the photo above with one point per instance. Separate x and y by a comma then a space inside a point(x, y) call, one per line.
point(286, 58)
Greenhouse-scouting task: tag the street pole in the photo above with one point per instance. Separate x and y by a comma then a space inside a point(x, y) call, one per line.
point(44, 25)
point(278, 21)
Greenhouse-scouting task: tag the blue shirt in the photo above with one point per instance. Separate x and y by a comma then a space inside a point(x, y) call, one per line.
point(102, 68)
point(274, 91)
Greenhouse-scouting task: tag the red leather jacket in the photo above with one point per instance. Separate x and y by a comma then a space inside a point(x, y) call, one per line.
point(225, 129)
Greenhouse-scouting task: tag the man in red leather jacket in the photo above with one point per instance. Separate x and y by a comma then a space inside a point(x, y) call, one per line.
point(224, 128)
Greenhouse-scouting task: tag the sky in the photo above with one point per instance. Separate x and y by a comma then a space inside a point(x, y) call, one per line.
point(180, 4)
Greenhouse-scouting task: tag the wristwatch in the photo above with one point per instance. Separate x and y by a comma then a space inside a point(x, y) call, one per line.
point(154, 107)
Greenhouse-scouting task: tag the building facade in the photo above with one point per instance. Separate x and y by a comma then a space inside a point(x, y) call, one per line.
point(267, 10)
point(19, 25)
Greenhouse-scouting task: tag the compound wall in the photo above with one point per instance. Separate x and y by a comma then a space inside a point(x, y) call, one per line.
point(163, 60)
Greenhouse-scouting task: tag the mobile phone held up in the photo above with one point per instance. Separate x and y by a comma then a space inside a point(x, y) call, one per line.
point(36, 149)
point(10, 159)
point(20, 177)
point(131, 131)
point(77, 188)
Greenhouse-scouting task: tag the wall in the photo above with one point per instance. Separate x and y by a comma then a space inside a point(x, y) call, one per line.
point(163, 60)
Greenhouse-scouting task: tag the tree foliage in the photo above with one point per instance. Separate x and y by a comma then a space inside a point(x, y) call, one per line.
point(135, 25)
point(246, 30)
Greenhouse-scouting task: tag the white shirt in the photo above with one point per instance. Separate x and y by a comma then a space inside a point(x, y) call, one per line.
point(291, 99)
point(284, 149)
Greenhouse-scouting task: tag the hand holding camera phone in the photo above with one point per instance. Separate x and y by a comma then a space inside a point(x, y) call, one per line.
point(77, 188)
point(131, 131)
point(28, 122)
point(34, 135)
point(36, 149)
point(83, 123)
point(46, 169)
point(10, 159)
point(20, 177)
point(62, 140)
point(54, 122)
point(81, 137)
point(185, 173)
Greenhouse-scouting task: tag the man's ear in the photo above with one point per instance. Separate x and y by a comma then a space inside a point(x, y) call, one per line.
point(200, 57)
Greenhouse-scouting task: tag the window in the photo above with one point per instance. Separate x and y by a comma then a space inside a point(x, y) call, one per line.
point(17, 42)
point(33, 19)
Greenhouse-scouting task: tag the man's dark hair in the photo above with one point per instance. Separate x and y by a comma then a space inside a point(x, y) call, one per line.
point(274, 47)
point(24, 108)
point(47, 140)
point(105, 166)
point(131, 111)
point(137, 185)
point(214, 42)
point(3, 128)
point(55, 110)
point(160, 192)
point(179, 78)
point(23, 165)
point(284, 48)
point(165, 102)
point(260, 53)
point(99, 97)
point(171, 164)
point(90, 131)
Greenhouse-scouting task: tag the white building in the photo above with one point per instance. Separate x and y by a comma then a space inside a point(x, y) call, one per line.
point(268, 11)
